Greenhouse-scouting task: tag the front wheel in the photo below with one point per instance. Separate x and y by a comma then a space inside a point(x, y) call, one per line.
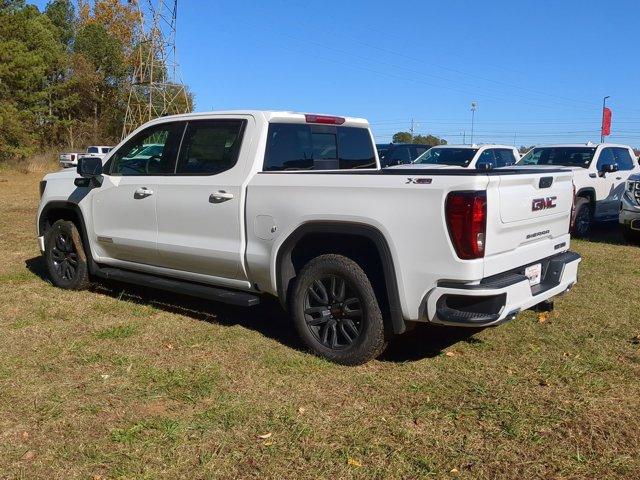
point(583, 218)
point(65, 256)
point(336, 312)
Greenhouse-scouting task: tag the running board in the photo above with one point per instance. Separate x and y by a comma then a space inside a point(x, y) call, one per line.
point(233, 297)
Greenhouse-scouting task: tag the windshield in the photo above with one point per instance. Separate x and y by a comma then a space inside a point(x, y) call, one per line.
point(561, 156)
point(460, 157)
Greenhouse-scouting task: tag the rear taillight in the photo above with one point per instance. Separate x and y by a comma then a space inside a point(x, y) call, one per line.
point(466, 214)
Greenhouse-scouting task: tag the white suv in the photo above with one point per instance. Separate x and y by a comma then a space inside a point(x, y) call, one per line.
point(599, 175)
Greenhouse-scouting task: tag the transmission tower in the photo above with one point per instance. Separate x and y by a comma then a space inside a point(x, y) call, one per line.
point(156, 88)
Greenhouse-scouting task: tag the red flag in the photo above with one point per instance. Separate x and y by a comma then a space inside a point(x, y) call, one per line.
point(606, 121)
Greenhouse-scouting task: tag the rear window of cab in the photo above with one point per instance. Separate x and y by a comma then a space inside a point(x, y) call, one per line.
point(293, 146)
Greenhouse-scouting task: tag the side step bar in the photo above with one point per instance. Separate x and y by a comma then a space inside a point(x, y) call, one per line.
point(233, 297)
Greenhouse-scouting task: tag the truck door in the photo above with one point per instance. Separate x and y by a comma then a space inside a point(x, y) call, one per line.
point(607, 202)
point(200, 207)
point(124, 206)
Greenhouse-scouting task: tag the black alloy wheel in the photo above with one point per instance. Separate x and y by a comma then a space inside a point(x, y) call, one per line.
point(333, 312)
point(64, 256)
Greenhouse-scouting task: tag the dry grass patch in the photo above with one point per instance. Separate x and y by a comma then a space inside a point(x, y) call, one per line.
point(122, 382)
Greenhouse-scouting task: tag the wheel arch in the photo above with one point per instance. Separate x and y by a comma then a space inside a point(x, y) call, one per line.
point(63, 210)
point(588, 193)
point(352, 240)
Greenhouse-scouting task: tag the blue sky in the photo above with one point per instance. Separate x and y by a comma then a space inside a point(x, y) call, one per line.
point(537, 68)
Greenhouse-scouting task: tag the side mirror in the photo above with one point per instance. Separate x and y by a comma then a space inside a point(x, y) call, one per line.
point(608, 168)
point(484, 166)
point(90, 171)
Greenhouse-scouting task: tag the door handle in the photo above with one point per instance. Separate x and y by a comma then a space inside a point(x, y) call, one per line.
point(142, 192)
point(220, 196)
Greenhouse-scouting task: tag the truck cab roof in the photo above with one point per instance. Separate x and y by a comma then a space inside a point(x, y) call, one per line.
point(577, 145)
point(275, 116)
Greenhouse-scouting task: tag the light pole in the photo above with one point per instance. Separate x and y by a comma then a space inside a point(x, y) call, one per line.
point(604, 104)
point(474, 107)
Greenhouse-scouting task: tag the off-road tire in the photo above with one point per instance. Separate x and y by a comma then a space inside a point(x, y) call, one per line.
point(339, 318)
point(65, 256)
point(582, 218)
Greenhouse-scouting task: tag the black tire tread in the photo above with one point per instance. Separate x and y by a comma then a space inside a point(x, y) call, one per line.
point(582, 202)
point(82, 280)
point(374, 343)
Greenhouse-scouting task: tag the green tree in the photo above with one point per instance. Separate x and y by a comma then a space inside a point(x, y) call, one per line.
point(105, 54)
point(429, 140)
point(402, 137)
point(63, 16)
point(30, 57)
point(406, 137)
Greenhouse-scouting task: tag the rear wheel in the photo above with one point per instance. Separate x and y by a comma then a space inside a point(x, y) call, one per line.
point(583, 218)
point(336, 312)
point(65, 256)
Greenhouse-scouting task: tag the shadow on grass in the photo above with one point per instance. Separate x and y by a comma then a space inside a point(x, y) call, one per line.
point(268, 318)
point(608, 233)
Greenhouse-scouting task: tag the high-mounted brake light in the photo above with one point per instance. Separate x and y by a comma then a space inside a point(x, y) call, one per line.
point(325, 119)
point(466, 214)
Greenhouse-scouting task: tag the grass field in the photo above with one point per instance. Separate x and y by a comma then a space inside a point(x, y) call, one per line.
point(120, 382)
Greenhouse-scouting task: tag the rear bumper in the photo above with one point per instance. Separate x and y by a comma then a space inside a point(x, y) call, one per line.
point(499, 298)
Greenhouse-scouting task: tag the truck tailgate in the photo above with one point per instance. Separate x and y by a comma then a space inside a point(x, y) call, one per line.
point(528, 217)
point(527, 198)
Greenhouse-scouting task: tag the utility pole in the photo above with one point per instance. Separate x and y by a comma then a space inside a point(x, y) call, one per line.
point(604, 104)
point(474, 107)
point(412, 129)
point(464, 137)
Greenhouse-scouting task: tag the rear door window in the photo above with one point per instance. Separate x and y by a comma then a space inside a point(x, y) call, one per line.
point(209, 147)
point(606, 158)
point(623, 159)
point(317, 147)
point(398, 155)
point(504, 157)
point(416, 151)
point(486, 158)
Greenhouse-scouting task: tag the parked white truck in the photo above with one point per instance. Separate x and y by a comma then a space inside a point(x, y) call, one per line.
point(480, 157)
point(241, 204)
point(71, 159)
point(599, 174)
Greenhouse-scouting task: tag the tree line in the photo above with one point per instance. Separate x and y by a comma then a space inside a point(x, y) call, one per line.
point(65, 73)
point(408, 137)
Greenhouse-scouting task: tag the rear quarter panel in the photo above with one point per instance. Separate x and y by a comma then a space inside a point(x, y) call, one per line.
point(410, 216)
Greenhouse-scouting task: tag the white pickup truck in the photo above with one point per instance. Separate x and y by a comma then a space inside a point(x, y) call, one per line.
point(480, 157)
point(599, 174)
point(241, 204)
point(71, 159)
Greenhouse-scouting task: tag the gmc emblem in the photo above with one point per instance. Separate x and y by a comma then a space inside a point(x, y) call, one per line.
point(543, 203)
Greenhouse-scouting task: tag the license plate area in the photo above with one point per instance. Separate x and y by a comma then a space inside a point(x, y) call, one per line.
point(534, 274)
